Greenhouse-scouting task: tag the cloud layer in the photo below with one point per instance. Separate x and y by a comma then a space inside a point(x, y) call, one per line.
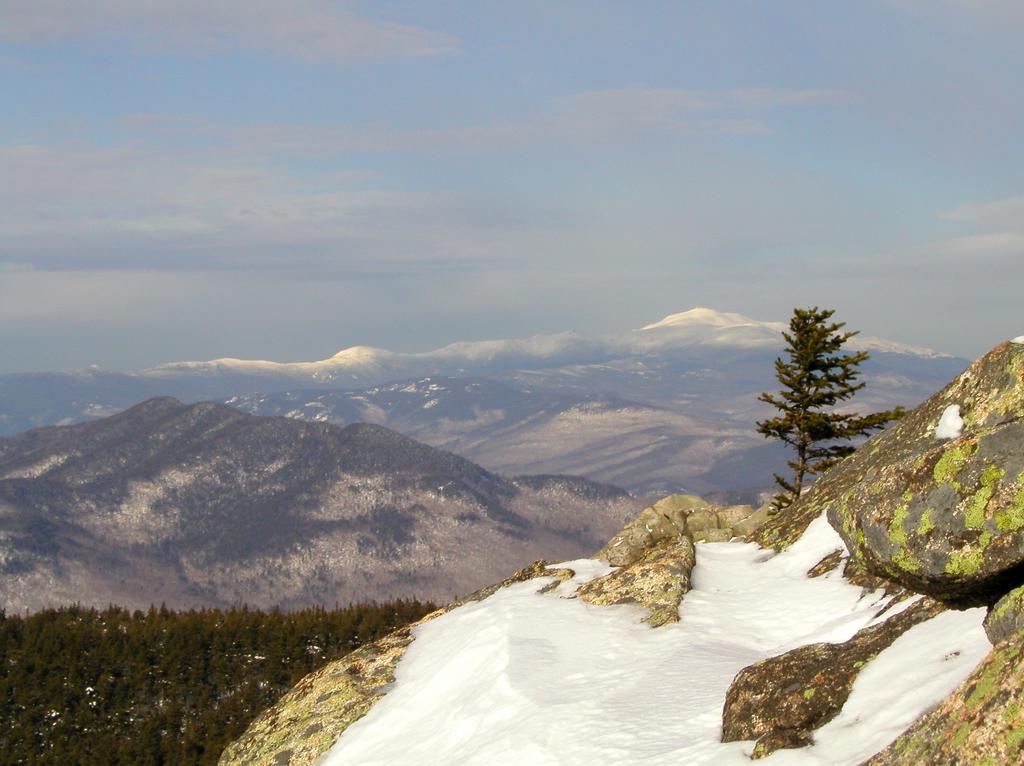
point(312, 30)
point(279, 180)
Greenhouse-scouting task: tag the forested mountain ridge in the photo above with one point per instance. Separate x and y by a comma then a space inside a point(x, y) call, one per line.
point(203, 505)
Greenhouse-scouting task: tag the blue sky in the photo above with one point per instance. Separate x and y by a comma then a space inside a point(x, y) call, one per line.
point(281, 180)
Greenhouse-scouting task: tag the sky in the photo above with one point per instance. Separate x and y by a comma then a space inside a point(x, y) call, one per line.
point(281, 180)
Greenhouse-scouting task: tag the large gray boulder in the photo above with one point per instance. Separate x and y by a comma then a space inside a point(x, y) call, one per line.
point(938, 510)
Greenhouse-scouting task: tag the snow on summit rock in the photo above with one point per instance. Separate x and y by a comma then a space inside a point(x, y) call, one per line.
point(531, 677)
point(950, 424)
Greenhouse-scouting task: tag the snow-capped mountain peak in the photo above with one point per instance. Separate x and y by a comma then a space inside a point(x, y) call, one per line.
point(359, 354)
point(699, 328)
point(702, 316)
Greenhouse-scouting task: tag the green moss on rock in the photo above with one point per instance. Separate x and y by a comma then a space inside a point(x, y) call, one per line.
point(1011, 518)
point(925, 525)
point(937, 516)
point(965, 563)
point(1006, 617)
point(976, 510)
point(951, 463)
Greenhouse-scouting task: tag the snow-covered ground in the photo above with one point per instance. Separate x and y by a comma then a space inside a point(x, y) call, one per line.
point(529, 678)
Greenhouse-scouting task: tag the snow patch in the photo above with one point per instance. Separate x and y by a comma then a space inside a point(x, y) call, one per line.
point(913, 675)
point(583, 571)
point(950, 424)
point(523, 677)
point(1019, 340)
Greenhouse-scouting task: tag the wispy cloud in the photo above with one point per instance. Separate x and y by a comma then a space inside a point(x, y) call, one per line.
point(302, 29)
point(998, 235)
point(81, 208)
point(1005, 214)
point(228, 203)
point(578, 119)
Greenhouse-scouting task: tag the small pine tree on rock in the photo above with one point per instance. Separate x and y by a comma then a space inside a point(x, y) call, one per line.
point(816, 377)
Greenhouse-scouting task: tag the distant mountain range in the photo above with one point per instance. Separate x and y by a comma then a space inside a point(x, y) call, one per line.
point(670, 406)
point(361, 366)
point(204, 505)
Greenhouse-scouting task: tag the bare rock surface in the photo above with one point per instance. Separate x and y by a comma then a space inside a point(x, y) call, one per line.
point(665, 520)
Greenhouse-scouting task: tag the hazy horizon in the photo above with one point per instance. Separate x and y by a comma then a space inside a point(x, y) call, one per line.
point(280, 181)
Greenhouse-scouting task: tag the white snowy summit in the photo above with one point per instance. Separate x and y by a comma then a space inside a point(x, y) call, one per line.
point(708, 326)
point(698, 327)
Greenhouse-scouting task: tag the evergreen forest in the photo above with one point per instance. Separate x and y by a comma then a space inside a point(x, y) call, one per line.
point(161, 687)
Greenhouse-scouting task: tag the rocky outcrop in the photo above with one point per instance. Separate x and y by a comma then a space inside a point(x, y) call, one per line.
point(663, 521)
point(658, 580)
point(981, 723)
point(656, 555)
point(943, 516)
point(675, 517)
point(780, 701)
point(304, 724)
point(713, 524)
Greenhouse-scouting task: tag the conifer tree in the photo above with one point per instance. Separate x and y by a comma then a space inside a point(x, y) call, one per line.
point(816, 377)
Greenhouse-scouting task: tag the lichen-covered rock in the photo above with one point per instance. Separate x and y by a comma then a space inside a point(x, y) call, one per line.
point(781, 529)
point(304, 723)
point(732, 515)
point(1006, 617)
point(701, 519)
point(715, 535)
point(828, 563)
point(940, 516)
point(658, 581)
point(749, 525)
point(686, 503)
point(665, 520)
point(980, 723)
point(782, 700)
point(678, 516)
